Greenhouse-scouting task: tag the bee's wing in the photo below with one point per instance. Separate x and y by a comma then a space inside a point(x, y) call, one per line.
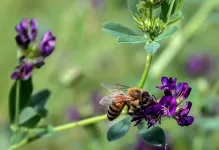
point(106, 100)
point(115, 88)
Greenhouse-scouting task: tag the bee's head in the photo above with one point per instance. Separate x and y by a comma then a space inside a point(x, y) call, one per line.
point(135, 93)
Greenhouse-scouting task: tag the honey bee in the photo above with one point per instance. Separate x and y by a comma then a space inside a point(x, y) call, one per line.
point(121, 96)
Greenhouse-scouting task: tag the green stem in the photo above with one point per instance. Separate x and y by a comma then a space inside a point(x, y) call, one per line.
point(146, 70)
point(65, 127)
point(80, 123)
point(19, 145)
point(151, 13)
point(17, 103)
point(180, 39)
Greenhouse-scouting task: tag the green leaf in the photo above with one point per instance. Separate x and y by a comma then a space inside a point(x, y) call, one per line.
point(154, 136)
point(164, 10)
point(177, 5)
point(132, 5)
point(133, 39)
point(119, 129)
point(152, 47)
point(167, 33)
point(123, 34)
point(29, 117)
point(175, 17)
point(117, 29)
point(40, 98)
point(26, 89)
point(12, 101)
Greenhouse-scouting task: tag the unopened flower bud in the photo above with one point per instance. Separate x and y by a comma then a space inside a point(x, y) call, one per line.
point(47, 44)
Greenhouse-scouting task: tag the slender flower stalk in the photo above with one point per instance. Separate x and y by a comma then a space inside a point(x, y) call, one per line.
point(146, 70)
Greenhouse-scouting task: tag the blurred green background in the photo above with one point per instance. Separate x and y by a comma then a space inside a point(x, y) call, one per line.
point(85, 56)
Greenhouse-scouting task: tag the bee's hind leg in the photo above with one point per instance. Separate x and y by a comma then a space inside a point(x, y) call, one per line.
point(129, 111)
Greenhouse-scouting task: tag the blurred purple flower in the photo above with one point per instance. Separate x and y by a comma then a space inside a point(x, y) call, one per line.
point(95, 98)
point(31, 52)
point(97, 3)
point(200, 65)
point(73, 114)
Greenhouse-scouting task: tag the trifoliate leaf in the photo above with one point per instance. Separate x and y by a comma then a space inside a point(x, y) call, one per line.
point(40, 98)
point(154, 136)
point(119, 129)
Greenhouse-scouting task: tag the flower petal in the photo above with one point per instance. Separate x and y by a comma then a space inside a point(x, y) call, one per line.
point(164, 80)
point(47, 44)
point(183, 90)
point(185, 111)
point(33, 29)
point(172, 107)
point(185, 121)
point(22, 28)
point(22, 72)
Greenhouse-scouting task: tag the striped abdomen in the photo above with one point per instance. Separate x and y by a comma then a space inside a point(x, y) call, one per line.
point(114, 110)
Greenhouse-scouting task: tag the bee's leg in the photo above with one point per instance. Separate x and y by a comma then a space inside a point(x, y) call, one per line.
point(154, 98)
point(131, 112)
point(128, 110)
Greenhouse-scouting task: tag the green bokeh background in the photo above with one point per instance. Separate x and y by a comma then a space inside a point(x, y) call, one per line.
point(84, 50)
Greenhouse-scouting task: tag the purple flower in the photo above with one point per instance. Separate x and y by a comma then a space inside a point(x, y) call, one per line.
point(47, 44)
point(167, 106)
point(73, 114)
point(182, 116)
point(152, 110)
point(95, 97)
point(167, 83)
point(180, 91)
point(30, 51)
point(97, 3)
point(200, 65)
point(23, 38)
point(22, 72)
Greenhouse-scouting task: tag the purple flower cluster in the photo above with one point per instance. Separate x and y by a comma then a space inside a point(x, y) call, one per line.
point(168, 106)
point(30, 53)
